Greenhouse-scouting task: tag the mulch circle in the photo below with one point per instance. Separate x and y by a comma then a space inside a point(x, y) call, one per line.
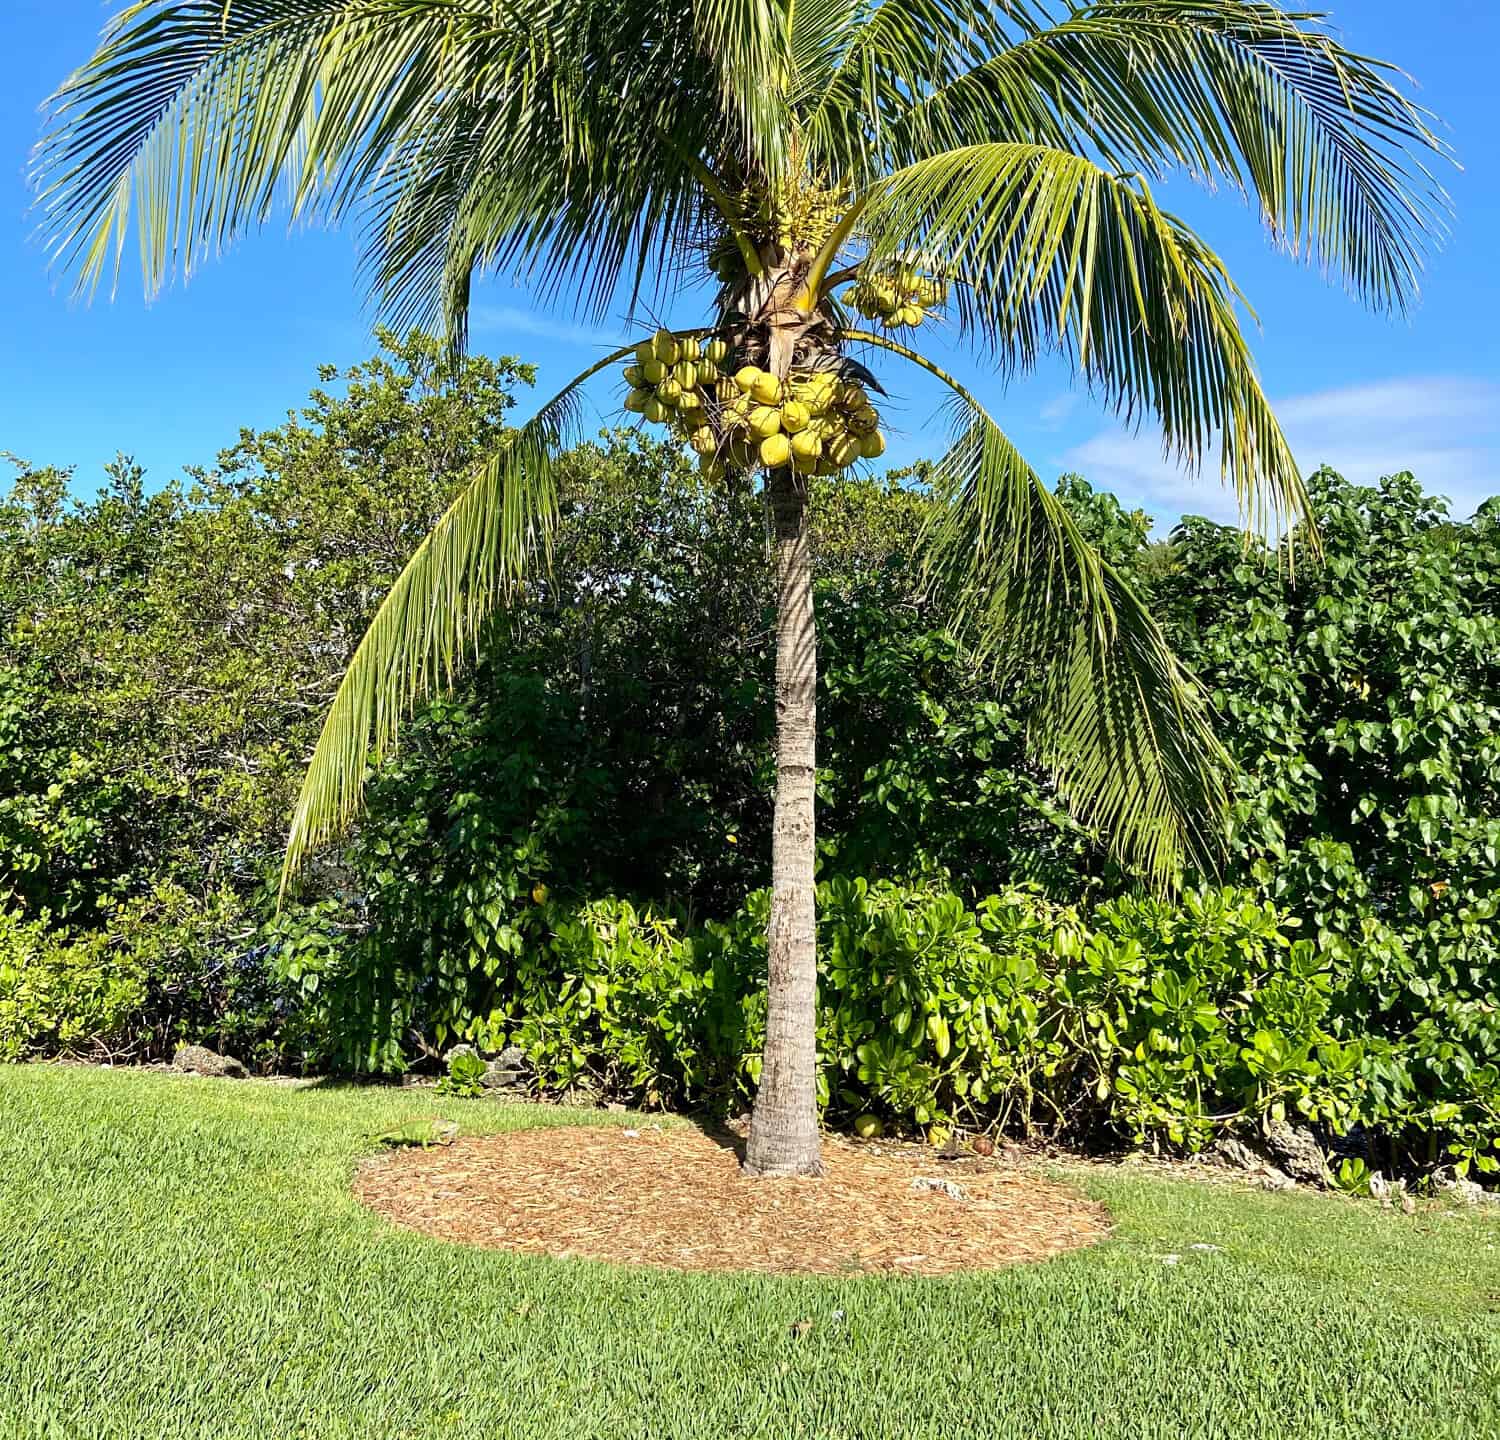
point(674, 1198)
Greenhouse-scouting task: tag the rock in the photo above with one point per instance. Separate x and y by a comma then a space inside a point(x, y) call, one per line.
point(1236, 1154)
point(982, 1145)
point(200, 1060)
point(1295, 1150)
point(1465, 1191)
point(939, 1187)
point(508, 1070)
point(616, 1107)
point(1239, 1155)
point(453, 1052)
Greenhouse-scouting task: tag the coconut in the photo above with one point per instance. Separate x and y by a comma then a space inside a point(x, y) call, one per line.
point(872, 445)
point(767, 388)
point(716, 352)
point(655, 411)
point(644, 352)
point(746, 377)
point(689, 401)
point(634, 376)
point(807, 448)
point(635, 402)
point(844, 451)
point(852, 396)
point(664, 347)
point(795, 416)
point(765, 420)
point(654, 371)
point(703, 440)
point(669, 392)
point(775, 451)
point(740, 453)
point(688, 348)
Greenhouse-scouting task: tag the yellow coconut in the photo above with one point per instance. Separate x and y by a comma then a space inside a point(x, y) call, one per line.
point(634, 376)
point(690, 401)
point(740, 453)
point(766, 389)
point(716, 352)
point(655, 411)
point(764, 420)
point(688, 348)
point(685, 372)
point(775, 451)
point(852, 396)
point(664, 347)
point(872, 445)
point(654, 371)
point(644, 352)
point(807, 449)
point(669, 391)
point(635, 402)
point(703, 440)
point(844, 451)
point(795, 416)
point(746, 377)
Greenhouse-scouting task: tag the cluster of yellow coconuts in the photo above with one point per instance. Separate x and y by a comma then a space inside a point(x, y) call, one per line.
point(812, 421)
point(901, 298)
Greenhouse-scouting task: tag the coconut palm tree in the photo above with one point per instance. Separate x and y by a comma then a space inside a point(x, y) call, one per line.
point(846, 171)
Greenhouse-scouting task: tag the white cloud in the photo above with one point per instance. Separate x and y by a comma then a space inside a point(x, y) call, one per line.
point(1057, 409)
point(502, 320)
point(1444, 429)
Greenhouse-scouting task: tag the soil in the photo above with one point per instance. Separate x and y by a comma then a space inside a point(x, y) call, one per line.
point(673, 1197)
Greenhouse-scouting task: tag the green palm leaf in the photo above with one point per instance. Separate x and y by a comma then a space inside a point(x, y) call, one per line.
point(471, 563)
point(1124, 730)
point(1243, 91)
point(1053, 253)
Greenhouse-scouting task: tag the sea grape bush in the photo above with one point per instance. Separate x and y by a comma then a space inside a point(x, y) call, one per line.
point(1140, 1019)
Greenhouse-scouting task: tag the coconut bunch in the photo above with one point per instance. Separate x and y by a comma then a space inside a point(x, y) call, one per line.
point(674, 381)
point(750, 419)
point(900, 298)
point(812, 421)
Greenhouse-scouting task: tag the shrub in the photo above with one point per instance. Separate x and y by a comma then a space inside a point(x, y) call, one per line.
point(1141, 1020)
point(58, 991)
point(166, 968)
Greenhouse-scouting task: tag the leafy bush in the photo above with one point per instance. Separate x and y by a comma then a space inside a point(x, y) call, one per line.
point(58, 991)
point(1143, 1020)
point(164, 968)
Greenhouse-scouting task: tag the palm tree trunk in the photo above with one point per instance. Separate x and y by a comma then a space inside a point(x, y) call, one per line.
point(784, 1125)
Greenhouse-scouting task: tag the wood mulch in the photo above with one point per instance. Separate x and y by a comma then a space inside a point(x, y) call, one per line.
point(674, 1198)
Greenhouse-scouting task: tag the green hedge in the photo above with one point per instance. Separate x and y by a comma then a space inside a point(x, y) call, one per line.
point(1141, 1020)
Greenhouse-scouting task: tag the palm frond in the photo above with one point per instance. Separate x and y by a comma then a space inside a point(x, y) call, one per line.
point(1124, 730)
point(1327, 140)
point(547, 138)
point(474, 559)
point(1051, 252)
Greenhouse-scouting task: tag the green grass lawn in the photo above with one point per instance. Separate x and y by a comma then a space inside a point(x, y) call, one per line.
point(182, 1258)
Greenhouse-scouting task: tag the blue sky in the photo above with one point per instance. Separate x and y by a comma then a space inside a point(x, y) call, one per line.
point(172, 382)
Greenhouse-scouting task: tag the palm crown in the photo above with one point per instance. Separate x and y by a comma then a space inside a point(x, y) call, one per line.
point(819, 157)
